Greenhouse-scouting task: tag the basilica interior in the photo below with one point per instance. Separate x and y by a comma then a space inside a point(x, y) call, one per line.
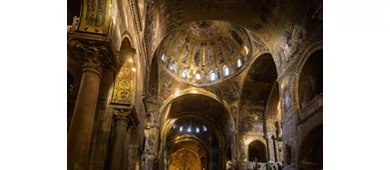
point(194, 84)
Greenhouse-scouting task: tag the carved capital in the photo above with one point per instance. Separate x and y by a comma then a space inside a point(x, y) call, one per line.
point(94, 56)
point(122, 114)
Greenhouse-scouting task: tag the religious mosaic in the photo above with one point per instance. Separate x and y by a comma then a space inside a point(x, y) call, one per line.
point(123, 88)
point(185, 159)
point(95, 17)
point(204, 53)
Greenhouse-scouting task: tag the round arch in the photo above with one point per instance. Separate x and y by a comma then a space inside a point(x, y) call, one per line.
point(259, 96)
point(190, 92)
point(204, 153)
point(257, 151)
point(301, 63)
point(310, 78)
point(205, 108)
point(310, 154)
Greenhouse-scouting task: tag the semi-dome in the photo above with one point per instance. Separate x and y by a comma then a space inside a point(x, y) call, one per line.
point(204, 53)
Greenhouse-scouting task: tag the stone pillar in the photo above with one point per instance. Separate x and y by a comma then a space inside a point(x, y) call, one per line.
point(133, 156)
point(80, 131)
point(271, 149)
point(149, 148)
point(121, 123)
point(103, 121)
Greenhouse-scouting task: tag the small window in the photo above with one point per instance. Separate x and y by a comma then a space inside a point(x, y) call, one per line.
point(181, 128)
point(225, 70)
point(239, 63)
point(173, 66)
point(197, 130)
point(212, 75)
point(204, 128)
point(197, 76)
point(163, 57)
point(184, 73)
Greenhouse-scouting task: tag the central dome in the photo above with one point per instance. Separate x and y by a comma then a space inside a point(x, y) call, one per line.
point(204, 53)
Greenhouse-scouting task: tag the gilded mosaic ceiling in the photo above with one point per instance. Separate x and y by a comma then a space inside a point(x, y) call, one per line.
point(204, 53)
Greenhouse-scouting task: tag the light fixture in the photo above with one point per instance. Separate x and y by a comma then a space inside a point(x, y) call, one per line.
point(204, 128)
point(189, 129)
point(194, 91)
point(133, 69)
point(197, 130)
point(131, 60)
point(181, 128)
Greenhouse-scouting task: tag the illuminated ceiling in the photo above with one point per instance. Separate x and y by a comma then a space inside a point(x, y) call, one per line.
point(204, 53)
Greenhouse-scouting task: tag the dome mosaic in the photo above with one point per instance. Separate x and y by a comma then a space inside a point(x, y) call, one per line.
point(204, 53)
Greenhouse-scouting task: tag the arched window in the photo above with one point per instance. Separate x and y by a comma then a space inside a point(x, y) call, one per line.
point(239, 63)
point(163, 57)
point(197, 75)
point(173, 66)
point(197, 130)
point(257, 151)
point(225, 70)
point(311, 149)
point(310, 79)
point(212, 75)
point(184, 73)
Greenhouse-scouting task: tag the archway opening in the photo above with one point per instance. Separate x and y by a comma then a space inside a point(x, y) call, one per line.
point(259, 87)
point(310, 79)
point(311, 151)
point(257, 151)
point(201, 117)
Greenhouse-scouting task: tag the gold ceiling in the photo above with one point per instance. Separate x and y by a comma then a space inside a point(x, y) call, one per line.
point(204, 53)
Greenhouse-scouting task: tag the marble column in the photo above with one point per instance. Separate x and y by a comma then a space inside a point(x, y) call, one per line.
point(80, 131)
point(133, 156)
point(121, 123)
point(271, 153)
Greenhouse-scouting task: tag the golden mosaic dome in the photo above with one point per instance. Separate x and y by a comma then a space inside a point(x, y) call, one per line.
point(205, 53)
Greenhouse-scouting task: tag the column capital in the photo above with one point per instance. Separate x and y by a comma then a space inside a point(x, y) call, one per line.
point(120, 113)
point(95, 57)
point(127, 113)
